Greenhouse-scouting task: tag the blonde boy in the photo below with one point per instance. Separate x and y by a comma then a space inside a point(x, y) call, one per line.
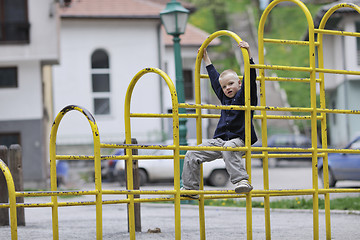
point(230, 131)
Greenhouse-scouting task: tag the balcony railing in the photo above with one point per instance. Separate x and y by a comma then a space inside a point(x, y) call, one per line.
point(14, 32)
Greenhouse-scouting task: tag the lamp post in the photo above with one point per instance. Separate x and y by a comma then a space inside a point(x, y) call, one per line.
point(174, 18)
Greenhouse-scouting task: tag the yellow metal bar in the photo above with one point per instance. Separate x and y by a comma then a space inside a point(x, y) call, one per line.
point(314, 152)
point(236, 107)
point(305, 69)
point(312, 70)
point(175, 115)
point(199, 130)
point(74, 157)
point(313, 124)
point(337, 71)
point(290, 42)
point(324, 137)
point(265, 158)
point(334, 32)
point(283, 79)
point(12, 199)
point(247, 108)
point(138, 146)
point(198, 110)
point(279, 67)
point(54, 193)
point(97, 165)
point(320, 32)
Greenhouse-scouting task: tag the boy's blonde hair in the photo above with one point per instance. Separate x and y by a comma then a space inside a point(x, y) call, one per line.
point(227, 73)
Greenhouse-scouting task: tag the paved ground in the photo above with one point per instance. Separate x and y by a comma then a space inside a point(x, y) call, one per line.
point(221, 223)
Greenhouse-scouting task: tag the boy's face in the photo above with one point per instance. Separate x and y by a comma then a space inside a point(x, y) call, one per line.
point(230, 85)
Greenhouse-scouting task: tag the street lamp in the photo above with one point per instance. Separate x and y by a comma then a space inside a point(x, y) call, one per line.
point(174, 18)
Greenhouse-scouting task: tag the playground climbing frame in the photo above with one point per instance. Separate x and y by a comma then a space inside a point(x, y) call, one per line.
point(312, 114)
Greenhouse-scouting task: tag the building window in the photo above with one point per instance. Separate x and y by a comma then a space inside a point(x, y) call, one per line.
point(100, 79)
point(188, 85)
point(357, 26)
point(102, 106)
point(8, 139)
point(8, 77)
point(14, 24)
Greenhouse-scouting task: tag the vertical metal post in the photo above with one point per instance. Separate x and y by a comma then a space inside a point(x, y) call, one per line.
point(4, 196)
point(137, 211)
point(181, 97)
point(15, 163)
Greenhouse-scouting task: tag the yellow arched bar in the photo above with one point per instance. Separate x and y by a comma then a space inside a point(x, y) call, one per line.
point(97, 165)
point(312, 71)
point(247, 124)
point(322, 25)
point(12, 199)
point(175, 117)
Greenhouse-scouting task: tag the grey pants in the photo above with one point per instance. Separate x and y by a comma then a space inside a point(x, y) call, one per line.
point(234, 163)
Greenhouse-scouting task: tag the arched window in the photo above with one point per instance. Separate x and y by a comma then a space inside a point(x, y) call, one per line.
point(100, 77)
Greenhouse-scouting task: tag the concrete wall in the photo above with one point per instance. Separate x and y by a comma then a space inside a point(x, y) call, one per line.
point(33, 149)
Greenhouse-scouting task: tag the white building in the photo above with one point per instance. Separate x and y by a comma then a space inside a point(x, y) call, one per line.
point(342, 91)
point(103, 45)
point(29, 45)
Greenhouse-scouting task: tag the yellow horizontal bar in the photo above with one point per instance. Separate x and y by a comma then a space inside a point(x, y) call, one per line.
point(236, 107)
point(335, 32)
point(28, 205)
point(114, 157)
point(343, 111)
point(159, 115)
point(280, 149)
point(303, 155)
point(283, 79)
point(135, 192)
point(323, 70)
point(145, 115)
point(282, 155)
point(206, 148)
point(152, 115)
point(290, 42)
point(74, 157)
point(276, 78)
point(332, 150)
point(286, 117)
point(278, 67)
point(137, 146)
point(305, 69)
point(339, 190)
point(116, 201)
point(55, 193)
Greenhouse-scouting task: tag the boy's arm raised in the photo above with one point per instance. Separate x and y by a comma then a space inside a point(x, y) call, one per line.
point(206, 58)
point(245, 45)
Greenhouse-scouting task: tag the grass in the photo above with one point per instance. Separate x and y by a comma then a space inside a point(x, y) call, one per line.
point(347, 203)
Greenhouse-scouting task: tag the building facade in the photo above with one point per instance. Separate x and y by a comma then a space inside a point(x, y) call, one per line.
point(103, 45)
point(29, 46)
point(342, 91)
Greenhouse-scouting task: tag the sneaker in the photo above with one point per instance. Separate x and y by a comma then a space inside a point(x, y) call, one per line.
point(243, 186)
point(193, 196)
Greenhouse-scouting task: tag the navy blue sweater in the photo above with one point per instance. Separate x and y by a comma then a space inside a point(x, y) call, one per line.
point(232, 122)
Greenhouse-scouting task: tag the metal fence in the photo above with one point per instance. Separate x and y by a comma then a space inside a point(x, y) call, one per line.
point(312, 114)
